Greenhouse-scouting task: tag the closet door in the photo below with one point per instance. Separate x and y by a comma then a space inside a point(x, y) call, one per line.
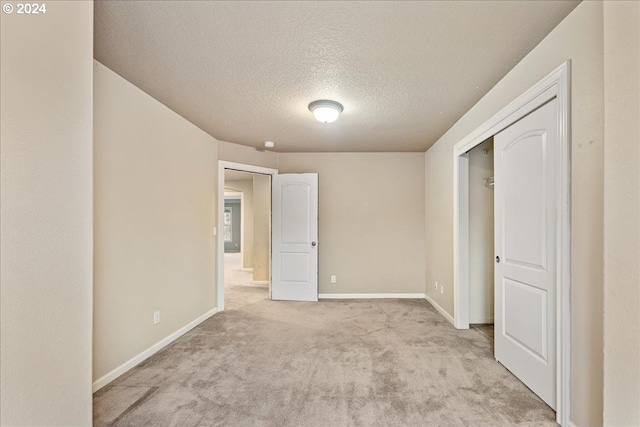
point(525, 157)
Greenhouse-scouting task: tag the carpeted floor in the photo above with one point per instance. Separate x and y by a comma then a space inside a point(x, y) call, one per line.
point(239, 289)
point(331, 363)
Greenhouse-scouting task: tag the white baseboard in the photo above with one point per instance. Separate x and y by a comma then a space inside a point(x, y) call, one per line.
point(440, 309)
point(369, 296)
point(260, 282)
point(136, 360)
point(482, 321)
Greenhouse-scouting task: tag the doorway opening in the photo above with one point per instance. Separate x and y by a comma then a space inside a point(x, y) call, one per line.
point(554, 87)
point(244, 242)
point(246, 236)
point(481, 239)
point(481, 234)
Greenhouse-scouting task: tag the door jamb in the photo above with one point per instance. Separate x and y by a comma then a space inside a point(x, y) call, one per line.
point(555, 85)
point(222, 165)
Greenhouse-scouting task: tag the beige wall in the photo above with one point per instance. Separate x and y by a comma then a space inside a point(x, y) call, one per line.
point(246, 188)
point(46, 219)
point(247, 155)
point(622, 213)
point(371, 220)
point(481, 251)
point(261, 228)
point(154, 212)
point(578, 38)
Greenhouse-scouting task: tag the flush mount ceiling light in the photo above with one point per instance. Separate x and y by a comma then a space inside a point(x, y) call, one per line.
point(326, 111)
point(269, 144)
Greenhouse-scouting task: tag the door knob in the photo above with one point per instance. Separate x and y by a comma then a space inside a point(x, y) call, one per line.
point(313, 243)
point(498, 259)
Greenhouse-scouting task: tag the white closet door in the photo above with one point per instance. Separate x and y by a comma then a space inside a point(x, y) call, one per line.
point(525, 157)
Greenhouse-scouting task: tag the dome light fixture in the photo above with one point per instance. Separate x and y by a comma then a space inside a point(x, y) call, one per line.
point(325, 110)
point(269, 144)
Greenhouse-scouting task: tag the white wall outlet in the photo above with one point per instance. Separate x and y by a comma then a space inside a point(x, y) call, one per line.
point(441, 289)
point(156, 317)
point(333, 279)
point(215, 231)
point(436, 286)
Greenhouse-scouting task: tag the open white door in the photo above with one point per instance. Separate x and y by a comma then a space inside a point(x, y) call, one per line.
point(525, 156)
point(294, 237)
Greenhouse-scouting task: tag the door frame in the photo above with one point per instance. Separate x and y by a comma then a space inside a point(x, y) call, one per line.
point(222, 166)
point(555, 85)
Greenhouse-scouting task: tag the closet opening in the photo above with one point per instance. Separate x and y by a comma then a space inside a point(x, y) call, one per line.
point(481, 236)
point(531, 248)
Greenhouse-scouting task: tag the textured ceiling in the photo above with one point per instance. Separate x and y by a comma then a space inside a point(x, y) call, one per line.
point(245, 71)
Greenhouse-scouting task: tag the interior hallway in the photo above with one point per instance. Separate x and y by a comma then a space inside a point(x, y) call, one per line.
point(239, 289)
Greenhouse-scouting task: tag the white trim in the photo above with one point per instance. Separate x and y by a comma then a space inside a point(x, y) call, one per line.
point(222, 165)
point(370, 296)
point(461, 234)
point(136, 360)
point(555, 85)
point(482, 321)
point(261, 282)
point(440, 309)
point(563, 267)
point(571, 424)
point(543, 91)
point(242, 167)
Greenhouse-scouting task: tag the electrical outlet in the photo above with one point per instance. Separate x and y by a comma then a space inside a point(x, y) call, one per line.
point(441, 289)
point(156, 317)
point(436, 286)
point(333, 279)
point(215, 231)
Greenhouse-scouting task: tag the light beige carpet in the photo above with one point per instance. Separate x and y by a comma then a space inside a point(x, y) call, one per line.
point(239, 289)
point(331, 363)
